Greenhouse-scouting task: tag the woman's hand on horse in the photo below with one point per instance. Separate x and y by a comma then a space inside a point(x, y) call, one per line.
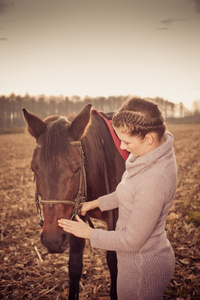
point(79, 229)
point(86, 206)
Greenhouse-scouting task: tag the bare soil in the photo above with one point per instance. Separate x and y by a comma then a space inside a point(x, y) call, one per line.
point(29, 272)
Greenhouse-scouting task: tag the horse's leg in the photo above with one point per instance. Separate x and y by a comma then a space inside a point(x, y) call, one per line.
point(75, 266)
point(112, 265)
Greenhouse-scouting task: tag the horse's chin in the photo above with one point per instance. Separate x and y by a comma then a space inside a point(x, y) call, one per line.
point(56, 246)
point(58, 251)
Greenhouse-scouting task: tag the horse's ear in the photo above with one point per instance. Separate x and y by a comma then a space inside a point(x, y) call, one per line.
point(78, 126)
point(35, 125)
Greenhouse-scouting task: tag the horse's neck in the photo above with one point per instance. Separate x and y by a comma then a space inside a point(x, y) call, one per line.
point(102, 159)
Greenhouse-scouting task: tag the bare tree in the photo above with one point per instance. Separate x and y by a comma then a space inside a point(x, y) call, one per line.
point(196, 107)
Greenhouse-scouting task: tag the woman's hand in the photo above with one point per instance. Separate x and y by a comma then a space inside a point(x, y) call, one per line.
point(86, 206)
point(79, 229)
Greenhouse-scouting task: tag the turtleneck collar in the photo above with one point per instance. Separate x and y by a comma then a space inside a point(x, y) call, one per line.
point(136, 164)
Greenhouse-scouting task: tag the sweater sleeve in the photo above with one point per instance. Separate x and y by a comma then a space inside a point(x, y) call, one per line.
point(146, 210)
point(108, 202)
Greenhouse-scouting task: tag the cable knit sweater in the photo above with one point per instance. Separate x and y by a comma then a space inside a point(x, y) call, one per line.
point(144, 196)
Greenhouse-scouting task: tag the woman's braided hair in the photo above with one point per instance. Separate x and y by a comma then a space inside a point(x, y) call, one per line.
point(140, 116)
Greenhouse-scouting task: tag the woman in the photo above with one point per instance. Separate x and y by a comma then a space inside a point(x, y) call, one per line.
point(144, 195)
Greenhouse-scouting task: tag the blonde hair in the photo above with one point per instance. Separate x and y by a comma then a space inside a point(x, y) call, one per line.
point(140, 116)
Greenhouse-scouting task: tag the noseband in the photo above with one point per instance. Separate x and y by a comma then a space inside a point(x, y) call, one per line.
point(79, 199)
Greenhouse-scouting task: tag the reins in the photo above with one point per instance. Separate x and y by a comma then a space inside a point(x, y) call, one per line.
point(79, 199)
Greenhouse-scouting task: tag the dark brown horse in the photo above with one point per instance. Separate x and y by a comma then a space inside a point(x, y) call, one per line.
point(73, 159)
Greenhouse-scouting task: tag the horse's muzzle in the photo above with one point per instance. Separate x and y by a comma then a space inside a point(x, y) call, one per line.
point(57, 244)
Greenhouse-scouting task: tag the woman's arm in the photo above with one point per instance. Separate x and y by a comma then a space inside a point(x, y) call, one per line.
point(86, 206)
point(145, 212)
point(80, 228)
point(106, 202)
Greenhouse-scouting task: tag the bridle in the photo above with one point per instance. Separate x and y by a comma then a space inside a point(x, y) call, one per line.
point(78, 200)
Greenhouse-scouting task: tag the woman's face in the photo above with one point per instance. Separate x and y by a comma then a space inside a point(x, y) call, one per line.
point(133, 144)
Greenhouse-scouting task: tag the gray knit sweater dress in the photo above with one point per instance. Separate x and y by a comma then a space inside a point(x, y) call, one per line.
point(145, 257)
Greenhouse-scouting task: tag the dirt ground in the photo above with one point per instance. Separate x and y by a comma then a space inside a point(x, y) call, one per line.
point(29, 272)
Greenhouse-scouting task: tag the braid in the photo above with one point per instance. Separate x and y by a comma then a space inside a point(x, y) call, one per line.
point(140, 116)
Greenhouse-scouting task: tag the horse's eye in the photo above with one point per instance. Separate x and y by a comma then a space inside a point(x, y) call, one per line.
point(77, 170)
point(31, 169)
point(34, 174)
point(34, 166)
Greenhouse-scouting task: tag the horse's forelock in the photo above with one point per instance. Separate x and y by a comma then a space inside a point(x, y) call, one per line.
point(55, 141)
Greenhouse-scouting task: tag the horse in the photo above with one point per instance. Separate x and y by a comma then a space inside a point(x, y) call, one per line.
point(74, 161)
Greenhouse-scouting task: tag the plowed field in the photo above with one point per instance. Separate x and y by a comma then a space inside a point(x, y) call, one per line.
point(29, 272)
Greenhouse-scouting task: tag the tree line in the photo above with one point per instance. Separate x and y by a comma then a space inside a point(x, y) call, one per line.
point(43, 106)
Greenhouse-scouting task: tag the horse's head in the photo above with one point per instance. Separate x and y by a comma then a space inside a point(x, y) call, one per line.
point(57, 164)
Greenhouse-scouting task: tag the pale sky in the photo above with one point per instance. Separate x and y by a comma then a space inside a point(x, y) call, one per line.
point(101, 48)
